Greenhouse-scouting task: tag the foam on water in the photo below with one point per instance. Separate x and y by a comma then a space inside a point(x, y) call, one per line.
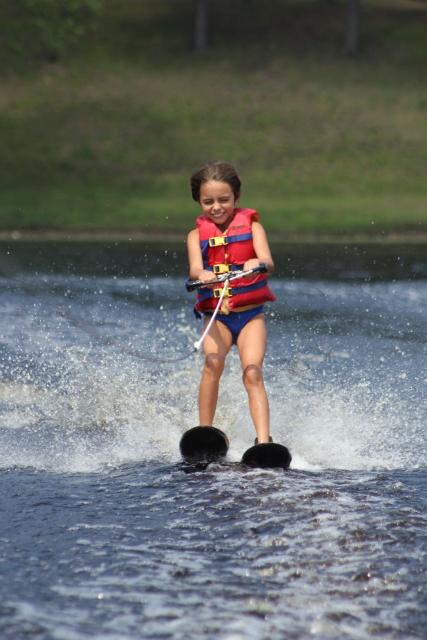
point(111, 410)
point(333, 549)
point(74, 398)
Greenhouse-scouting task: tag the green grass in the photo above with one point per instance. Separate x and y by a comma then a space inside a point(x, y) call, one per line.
point(324, 143)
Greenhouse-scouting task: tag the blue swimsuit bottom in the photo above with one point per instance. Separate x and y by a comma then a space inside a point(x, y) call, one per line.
point(236, 320)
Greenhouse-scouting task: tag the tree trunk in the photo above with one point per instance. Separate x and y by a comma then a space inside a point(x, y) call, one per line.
point(352, 28)
point(201, 26)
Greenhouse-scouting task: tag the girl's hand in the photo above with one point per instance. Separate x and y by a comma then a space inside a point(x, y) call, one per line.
point(251, 264)
point(206, 275)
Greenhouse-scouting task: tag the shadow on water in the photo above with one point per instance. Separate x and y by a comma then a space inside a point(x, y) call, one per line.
point(352, 262)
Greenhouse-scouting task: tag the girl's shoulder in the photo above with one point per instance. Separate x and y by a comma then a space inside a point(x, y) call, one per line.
point(257, 227)
point(193, 235)
point(248, 215)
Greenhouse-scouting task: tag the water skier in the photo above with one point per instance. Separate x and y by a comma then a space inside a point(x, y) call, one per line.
point(226, 239)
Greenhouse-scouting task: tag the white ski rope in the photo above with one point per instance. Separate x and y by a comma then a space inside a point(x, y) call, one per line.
point(199, 342)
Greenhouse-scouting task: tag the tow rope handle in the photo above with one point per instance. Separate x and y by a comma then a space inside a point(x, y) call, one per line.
point(191, 285)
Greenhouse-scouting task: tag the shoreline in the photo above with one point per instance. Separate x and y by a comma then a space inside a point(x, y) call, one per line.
point(138, 235)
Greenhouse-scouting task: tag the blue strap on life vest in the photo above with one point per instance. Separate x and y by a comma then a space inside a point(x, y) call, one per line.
point(250, 287)
point(205, 294)
point(204, 244)
point(232, 267)
point(208, 293)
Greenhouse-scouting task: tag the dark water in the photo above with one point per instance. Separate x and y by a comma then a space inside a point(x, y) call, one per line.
point(103, 534)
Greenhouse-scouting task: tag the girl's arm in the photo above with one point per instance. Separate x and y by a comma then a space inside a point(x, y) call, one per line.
point(195, 260)
point(262, 249)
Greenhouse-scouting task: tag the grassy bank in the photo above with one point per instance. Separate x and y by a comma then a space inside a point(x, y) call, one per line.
point(324, 143)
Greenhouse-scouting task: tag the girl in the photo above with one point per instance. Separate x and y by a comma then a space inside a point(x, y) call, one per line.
point(228, 238)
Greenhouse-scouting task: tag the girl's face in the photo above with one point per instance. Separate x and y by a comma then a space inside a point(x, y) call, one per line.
point(217, 201)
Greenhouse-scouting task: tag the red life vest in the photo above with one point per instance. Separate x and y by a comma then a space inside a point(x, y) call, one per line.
point(228, 251)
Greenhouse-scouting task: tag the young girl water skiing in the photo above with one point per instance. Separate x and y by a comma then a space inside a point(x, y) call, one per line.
point(229, 238)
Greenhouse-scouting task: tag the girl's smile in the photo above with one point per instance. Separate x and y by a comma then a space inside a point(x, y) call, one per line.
point(217, 201)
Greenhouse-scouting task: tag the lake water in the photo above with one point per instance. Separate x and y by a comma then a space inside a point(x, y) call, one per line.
point(103, 533)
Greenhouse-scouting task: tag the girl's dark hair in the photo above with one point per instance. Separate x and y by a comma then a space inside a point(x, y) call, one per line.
point(217, 170)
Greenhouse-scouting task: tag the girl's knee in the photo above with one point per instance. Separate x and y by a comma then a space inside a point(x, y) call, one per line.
point(214, 364)
point(252, 375)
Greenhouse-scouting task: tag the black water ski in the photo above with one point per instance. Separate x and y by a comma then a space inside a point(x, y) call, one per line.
point(203, 445)
point(267, 456)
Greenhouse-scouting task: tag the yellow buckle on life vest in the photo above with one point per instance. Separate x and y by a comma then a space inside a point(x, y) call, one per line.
point(221, 268)
point(218, 292)
point(218, 241)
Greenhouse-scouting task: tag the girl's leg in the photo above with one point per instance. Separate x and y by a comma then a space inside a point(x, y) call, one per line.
point(251, 344)
point(216, 346)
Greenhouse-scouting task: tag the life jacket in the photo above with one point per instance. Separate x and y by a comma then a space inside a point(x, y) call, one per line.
point(227, 251)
